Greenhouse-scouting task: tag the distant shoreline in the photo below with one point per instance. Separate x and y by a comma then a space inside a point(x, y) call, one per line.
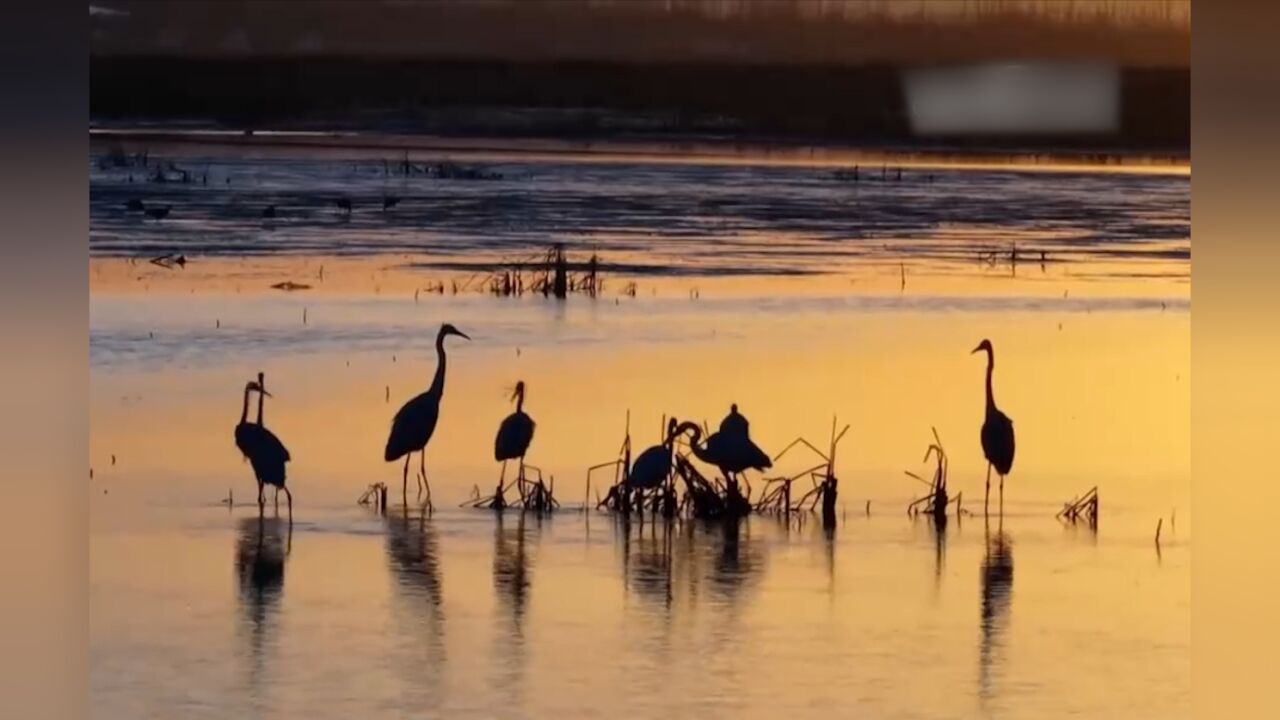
point(660, 148)
point(861, 106)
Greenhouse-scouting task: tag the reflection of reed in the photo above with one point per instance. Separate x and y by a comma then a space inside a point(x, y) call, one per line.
point(261, 549)
point(938, 523)
point(997, 596)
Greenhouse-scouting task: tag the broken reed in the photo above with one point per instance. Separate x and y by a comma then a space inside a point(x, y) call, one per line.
point(1081, 508)
point(935, 502)
point(548, 275)
point(532, 495)
point(823, 492)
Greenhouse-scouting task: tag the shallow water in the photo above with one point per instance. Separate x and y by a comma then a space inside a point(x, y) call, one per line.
point(200, 611)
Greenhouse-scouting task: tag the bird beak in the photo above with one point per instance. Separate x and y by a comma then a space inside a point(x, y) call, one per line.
point(461, 334)
point(975, 350)
point(264, 392)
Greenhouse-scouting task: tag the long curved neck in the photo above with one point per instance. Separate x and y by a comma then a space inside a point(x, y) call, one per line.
point(437, 383)
point(991, 366)
point(244, 411)
point(695, 437)
point(520, 400)
point(260, 397)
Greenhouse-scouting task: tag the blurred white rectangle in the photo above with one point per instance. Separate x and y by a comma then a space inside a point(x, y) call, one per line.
point(1014, 98)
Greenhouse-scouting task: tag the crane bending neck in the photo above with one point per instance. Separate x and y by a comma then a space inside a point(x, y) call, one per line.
point(244, 410)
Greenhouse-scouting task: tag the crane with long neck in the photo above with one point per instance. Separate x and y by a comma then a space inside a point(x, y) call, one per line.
point(415, 422)
point(997, 431)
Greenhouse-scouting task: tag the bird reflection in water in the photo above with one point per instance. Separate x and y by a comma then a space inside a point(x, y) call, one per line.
point(262, 545)
point(512, 578)
point(646, 558)
point(735, 563)
point(414, 558)
point(997, 597)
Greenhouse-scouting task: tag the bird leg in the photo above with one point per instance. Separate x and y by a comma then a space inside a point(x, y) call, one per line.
point(422, 457)
point(987, 498)
point(1002, 496)
point(289, 496)
point(422, 470)
point(521, 481)
point(262, 500)
point(276, 498)
point(404, 480)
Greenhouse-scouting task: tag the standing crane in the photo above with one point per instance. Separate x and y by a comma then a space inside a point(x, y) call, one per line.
point(997, 432)
point(415, 422)
point(266, 454)
point(514, 435)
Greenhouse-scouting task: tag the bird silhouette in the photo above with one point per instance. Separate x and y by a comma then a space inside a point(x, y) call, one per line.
point(416, 420)
point(134, 205)
point(157, 213)
point(266, 454)
point(997, 432)
point(733, 451)
point(389, 202)
point(269, 211)
point(344, 204)
point(514, 435)
point(652, 467)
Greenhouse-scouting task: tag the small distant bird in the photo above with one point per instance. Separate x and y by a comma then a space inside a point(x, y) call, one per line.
point(158, 213)
point(997, 431)
point(415, 422)
point(344, 204)
point(266, 454)
point(652, 467)
point(389, 202)
point(134, 205)
point(269, 211)
point(514, 435)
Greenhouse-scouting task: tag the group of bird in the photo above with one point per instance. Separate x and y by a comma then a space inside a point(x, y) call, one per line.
point(730, 449)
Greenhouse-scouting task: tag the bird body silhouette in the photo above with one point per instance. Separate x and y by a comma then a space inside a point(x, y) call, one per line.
point(157, 213)
point(651, 468)
point(266, 454)
point(731, 449)
point(415, 422)
point(997, 430)
point(516, 431)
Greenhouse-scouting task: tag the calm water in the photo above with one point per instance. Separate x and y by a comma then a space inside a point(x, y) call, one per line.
point(788, 299)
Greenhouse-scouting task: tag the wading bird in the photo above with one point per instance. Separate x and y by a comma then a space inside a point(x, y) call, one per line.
point(514, 435)
point(731, 449)
point(652, 467)
point(997, 432)
point(266, 454)
point(416, 421)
